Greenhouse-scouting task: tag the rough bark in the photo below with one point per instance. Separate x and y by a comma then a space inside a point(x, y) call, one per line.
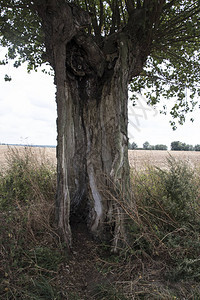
point(92, 152)
point(93, 169)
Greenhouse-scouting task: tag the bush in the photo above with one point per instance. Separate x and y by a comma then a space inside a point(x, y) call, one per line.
point(168, 221)
point(197, 147)
point(179, 146)
point(163, 236)
point(180, 191)
point(26, 177)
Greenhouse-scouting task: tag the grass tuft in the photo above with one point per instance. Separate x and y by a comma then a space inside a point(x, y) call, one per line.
point(168, 224)
point(161, 258)
point(31, 252)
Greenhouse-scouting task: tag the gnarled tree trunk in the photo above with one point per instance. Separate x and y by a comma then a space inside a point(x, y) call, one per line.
point(92, 144)
point(92, 79)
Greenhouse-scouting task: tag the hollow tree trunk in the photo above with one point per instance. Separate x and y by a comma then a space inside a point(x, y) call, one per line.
point(92, 79)
point(92, 152)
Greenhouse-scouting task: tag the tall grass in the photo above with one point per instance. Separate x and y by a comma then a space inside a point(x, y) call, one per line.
point(30, 249)
point(167, 229)
point(161, 259)
point(168, 203)
point(161, 254)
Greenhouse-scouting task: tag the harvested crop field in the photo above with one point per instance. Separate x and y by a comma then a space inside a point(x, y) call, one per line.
point(41, 153)
point(142, 158)
point(137, 158)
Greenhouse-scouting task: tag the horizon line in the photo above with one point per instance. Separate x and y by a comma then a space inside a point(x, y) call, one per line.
point(27, 145)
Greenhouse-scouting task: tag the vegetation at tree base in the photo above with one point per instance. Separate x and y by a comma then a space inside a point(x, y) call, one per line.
point(179, 146)
point(97, 49)
point(30, 249)
point(161, 257)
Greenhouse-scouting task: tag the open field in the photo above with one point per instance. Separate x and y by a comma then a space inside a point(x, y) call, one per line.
point(40, 152)
point(141, 158)
point(137, 158)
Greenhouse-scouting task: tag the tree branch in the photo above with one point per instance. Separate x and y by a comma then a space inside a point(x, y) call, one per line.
point(130, 6)
point(124, 19)
point(139, 5)
point(170, 4)
point(101, 15)
point(95, 56)
point(94, 18)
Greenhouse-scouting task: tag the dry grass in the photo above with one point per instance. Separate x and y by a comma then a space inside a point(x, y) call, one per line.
point(138, 159)
point(160, 258)
point(40, 152)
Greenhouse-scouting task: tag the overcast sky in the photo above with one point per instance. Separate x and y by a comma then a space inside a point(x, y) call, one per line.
point(28, 114)
point(147, 124)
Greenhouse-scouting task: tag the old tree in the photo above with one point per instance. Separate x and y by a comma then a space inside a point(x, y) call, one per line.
point(97, 49)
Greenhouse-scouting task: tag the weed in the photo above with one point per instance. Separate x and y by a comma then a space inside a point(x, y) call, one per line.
point(161, 257)
point(168, 222)
point(30, 249)
point(105, 291)
point(26, 178)
point(162, 236)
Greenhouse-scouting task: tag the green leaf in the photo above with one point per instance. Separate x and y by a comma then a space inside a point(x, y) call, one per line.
point(7, 78)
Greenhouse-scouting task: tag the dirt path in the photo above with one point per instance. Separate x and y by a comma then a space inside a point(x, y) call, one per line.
point(81, 275)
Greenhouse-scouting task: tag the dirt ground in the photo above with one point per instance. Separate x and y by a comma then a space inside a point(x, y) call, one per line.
point(137, 158)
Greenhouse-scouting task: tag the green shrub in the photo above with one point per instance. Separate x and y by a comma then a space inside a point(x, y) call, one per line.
point(30, 248)
point(25, 178)
point(163, 229)
point(180, 191)
point(168, 218)
point(171, 196)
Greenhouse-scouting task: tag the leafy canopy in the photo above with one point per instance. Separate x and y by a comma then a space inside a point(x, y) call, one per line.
point(21, 33)
point(172, 68)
